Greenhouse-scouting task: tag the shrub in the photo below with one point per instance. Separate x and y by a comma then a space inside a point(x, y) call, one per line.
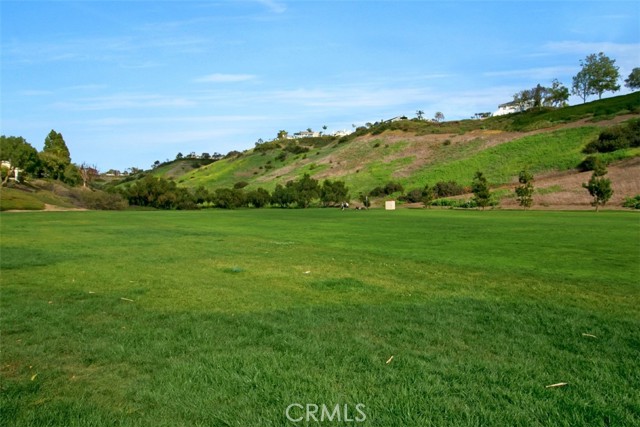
point(99, 200)
point(240, 184)
point(452, 203)
point(258, 198)
point(393, 187)
point(448, 189)
point(377, 192)
point(590, 163)
point(632, 202)
point(615, 138)
point(413, 196)
point(296, 149)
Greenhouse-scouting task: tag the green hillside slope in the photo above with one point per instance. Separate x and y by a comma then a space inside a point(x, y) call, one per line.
point(415, 153)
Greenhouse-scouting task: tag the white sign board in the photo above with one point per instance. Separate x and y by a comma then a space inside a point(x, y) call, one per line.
point(390, 205)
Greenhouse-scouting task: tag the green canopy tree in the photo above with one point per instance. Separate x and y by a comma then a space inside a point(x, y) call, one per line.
point(598, 186)
point(54, 144)
point(598, 75)
point(306, 190)
point(19, 154)
point(480, 189)
point(633, 81)
point(524, 192)
point(333, 192)
point(56, 159)
point(258, 198)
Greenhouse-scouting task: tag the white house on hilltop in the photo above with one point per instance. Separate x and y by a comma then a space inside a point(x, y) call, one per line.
point(512, 107)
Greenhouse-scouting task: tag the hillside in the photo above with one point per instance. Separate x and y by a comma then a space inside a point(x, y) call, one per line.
point(414, 153)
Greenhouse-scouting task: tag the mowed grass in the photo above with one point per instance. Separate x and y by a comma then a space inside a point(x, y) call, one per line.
point(225, 318)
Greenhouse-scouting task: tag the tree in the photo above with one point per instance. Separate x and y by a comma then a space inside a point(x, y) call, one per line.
point(538, 95)
point(480, 189)
point(87, 173)
point(229, 198)
point(598, 186)
point(54, 144)
point(524, 192)
point(55, 159)
point(633, 81)
point(258, 198)
point(333, 192)
point(201, 195)
point(282, 134)
point(19, 154)
point(557, 95)
point(580, 86)
point(438, 117)
point(364, 198)
point(524, 99)
point(282, 196)
point(419, 114)
point(158, 193)
point(428, 195)
point(598, 75)
point(305, 190)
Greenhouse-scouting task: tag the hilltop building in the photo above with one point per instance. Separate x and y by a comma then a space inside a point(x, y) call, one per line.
point(512, 107)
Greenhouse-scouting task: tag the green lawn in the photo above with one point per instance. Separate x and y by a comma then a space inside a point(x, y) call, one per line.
point(225, 318)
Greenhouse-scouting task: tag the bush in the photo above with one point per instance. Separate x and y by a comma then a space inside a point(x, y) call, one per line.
point(615, 138)
point(99, 200)
point(377, 192)
point(448, 189)
point(413, 196)
point(393, 187)
point(590, 163)
point(240, 184)
point(452, 203)
point(158, 193)
point(296, 149)
point(632, 202)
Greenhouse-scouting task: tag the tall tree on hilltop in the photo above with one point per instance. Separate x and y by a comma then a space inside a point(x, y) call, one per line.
point(557, 94)
point(633, 81)
point(598, 75)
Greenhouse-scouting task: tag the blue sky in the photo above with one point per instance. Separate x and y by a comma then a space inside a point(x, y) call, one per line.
point(131, 82)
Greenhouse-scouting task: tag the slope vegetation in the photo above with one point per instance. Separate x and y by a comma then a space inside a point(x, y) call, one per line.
point(548, 142)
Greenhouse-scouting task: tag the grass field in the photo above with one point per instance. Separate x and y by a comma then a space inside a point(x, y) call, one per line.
point(226, 318)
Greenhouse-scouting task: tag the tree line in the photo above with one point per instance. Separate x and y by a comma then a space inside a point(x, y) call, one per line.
point(53, 162)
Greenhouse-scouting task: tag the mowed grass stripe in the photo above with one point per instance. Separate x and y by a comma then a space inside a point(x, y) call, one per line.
point(226, 318)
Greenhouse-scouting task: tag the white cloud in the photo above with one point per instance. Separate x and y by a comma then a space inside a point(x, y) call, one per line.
point(274, 6)
point(124, 101)
point(225, 78)
point(540, 73)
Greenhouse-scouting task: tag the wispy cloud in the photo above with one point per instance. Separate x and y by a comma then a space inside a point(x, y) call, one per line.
point(124, 101)
point(536, 73)
point(273, 5)
point(225, 78)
